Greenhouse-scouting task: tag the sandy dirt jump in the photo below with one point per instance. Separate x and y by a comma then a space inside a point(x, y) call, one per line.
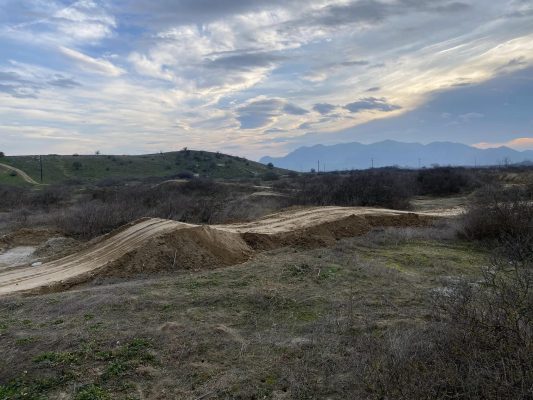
point(21, 173)
point(155, 244)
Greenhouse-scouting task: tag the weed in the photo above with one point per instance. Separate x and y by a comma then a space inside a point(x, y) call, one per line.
point(26, 340)
point(58, 358)
point(92, 392)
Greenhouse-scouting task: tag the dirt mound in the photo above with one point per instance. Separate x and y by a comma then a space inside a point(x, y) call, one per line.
point(152, 244)
point(25, 237)
point(320, 226)
point(145, 246)
point(56, 247)
point(191, 248)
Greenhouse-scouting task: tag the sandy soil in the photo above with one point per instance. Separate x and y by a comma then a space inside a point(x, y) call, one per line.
point(99, 254)
point(294, 220)
point(146, 244)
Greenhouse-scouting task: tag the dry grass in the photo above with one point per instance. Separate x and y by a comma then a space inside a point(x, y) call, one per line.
point(283, 326)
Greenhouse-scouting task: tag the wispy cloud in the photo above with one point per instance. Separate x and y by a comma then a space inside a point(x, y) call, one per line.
point(261, 73)
point(90, 64)
point(371, 104)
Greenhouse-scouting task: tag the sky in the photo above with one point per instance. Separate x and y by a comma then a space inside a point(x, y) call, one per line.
point(255, 78)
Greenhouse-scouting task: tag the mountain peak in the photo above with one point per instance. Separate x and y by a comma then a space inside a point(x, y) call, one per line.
point(354, 155)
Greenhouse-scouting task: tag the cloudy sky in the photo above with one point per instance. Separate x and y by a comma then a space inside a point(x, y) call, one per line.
point(261, 77)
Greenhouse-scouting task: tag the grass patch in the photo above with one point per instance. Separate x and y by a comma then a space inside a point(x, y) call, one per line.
point(429, 258)
point(55, 359)
point(92, 392)
point(283, 324)
point(59, 168)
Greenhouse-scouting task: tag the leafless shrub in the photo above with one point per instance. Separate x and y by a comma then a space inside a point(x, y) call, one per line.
point(389, 188)
point(497, 213)
point(50, 196)
point(444, 181)
point(478, 344)
point(94, 218)
point(11, 197)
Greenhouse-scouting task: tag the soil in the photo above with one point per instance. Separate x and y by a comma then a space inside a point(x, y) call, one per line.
point(16, 256)
point(152, 244)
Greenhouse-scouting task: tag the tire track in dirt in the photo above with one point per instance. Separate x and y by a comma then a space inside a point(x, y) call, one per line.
point(149, 242)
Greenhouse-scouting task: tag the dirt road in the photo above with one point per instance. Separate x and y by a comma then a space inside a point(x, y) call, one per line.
point(218, 242)
point(21, 173)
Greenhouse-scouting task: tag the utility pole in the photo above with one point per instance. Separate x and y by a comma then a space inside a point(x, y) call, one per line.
point(318, 169)
point(372, 159)
point(41, 164)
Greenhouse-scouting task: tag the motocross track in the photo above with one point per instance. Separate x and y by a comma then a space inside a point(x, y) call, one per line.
point(154, 244)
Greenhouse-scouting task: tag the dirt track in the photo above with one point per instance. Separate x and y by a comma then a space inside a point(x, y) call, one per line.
point(21, 173)
point(290, 221)
point(149, 242)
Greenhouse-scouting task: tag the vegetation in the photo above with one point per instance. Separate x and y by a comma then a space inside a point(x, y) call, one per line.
point(435, 312)
point(293, 322)
point(91, 168)
point(383, 187)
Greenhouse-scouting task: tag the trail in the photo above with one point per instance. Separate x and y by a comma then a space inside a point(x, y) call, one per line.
point(145, 245)
point(21, 173)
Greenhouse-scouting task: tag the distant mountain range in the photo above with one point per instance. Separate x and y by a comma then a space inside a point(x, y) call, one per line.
point(346, 156)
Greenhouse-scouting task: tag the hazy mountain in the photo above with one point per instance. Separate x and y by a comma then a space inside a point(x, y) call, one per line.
point(387, 153)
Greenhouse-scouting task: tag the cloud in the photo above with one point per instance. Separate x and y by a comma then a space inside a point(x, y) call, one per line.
point(163, 13)
point(525, 143)
point(200, 71)
point(328, 70)
point(84, 20)
point(29, 82)
point(90, 64)
point(245, 61)
point(324, 108)
point(292, 109)
point(17, 86)
point(371, 104)
point(260, 113)
point(470, 116)
point(51, 22)
point(63, 82)
point(369, 12)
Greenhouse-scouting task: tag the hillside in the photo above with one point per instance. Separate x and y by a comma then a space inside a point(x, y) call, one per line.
point(355, 155)
point(60, 168)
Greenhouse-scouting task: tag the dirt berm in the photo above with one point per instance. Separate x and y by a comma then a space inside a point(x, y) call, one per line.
point(144, 246)
point(320, 226)
point(152, 244)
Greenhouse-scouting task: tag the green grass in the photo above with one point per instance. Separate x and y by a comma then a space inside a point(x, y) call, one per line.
point(8, 178)
point(430, 258)
point(280, 324)
point(59, 168)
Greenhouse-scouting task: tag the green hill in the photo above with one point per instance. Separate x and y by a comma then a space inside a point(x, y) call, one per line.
point(90, 168)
